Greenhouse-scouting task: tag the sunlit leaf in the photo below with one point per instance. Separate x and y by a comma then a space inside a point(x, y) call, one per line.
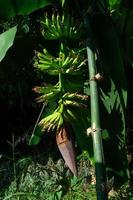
point(6, 41)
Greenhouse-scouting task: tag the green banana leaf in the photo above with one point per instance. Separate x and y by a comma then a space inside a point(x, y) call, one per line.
point(6, 41)
point(11, 8)
point(113, 99)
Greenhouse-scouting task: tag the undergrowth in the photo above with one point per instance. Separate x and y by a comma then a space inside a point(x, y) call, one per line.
point(49, 181)
point(52, 181)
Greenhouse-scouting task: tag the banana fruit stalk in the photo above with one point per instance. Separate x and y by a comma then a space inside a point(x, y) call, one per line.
point(61, 26)
point(64, 143)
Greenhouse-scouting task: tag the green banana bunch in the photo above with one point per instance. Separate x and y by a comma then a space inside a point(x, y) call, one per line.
point(49, 92)
point(75, 100)
point(70, 102)
point(65, 112)
point(68, 62)
point(75, 104)
point(60, 26)
point(54, 120)
point(46, 88)
point(45, 61)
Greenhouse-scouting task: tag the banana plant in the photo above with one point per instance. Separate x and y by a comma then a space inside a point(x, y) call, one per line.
point(68, 62)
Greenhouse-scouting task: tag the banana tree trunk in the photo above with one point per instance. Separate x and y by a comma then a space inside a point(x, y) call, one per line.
point(64, 143)
point(95, 120)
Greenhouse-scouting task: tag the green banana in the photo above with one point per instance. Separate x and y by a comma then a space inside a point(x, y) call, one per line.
point(62, 19)
point(50, 120)
point(75, 96)
point(56, 31)
point(54, 124)
point(74, 103)
point(45, 97)
point(71, 115)
point(75, 60)
point(65, 116)
point(40, 55)
point(60, 122)
point(66, 61)
point(46, 58)
point(46, 89)
point(69, 62)
point(59, 25)
point(68, 102)
point(71, 32)
point(53, 72)
point(44, 62)
point(61, 59)
point(45, 120)
point(52, 31)
point(43, 67)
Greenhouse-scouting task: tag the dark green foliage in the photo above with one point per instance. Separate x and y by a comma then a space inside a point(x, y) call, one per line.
point(113, 95)
point(80, 128)
point(114, 4)
point(50, 180)
point(9, 8)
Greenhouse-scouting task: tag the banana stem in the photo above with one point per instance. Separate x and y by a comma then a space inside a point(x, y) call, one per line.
point(95, 120)
point(61, 75)
point(61, 85)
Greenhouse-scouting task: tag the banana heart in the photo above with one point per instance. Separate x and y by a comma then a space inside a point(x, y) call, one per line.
point(65, 146)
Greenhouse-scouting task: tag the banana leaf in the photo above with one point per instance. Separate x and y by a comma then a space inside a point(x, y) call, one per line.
point(6, 41)
point(11, 8)
point(113, 98)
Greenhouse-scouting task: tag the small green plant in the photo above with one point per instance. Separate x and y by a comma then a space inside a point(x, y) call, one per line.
point(13, 144)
